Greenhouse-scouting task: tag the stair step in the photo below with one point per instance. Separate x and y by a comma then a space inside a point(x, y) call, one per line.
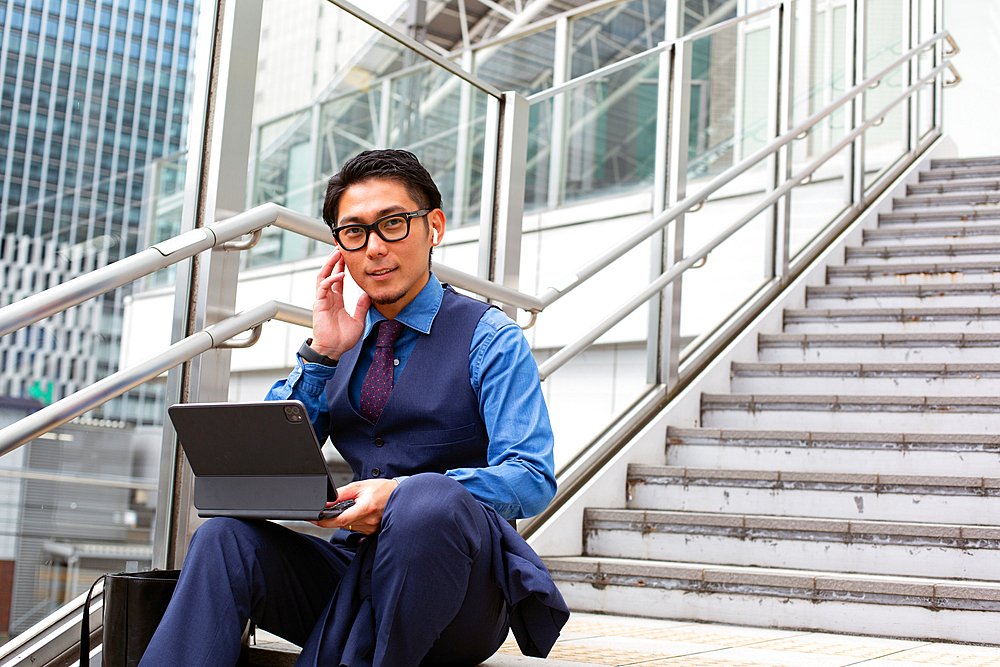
point(919, 234)
point(962, 199)
point(825, 495)
point(921, 608)
point(957, 216)
point(955, 380)
point(855, 412)
point(920, 273)
point(965, 163)
point(973, 294)
point(908, 453)
point(835, 348)
point(924, 252)
point(831, 545)
point(948, 174)
point(891, 320)
point(984, 185)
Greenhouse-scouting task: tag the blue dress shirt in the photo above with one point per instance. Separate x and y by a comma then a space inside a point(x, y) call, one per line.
point(519, 480)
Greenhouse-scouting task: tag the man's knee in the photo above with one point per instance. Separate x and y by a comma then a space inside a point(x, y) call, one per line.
point(429, 503)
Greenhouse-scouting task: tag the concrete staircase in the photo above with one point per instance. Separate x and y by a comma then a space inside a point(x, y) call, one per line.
point(850, 480)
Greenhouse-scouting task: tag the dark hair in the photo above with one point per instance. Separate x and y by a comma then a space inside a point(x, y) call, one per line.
point(388, 164)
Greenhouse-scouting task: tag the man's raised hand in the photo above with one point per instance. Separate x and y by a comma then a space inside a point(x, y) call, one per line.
point(334, 330)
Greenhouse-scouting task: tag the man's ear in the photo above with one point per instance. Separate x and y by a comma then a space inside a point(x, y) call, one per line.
point(436, 220)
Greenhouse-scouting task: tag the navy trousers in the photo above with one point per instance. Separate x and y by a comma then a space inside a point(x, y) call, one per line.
point(432, 596)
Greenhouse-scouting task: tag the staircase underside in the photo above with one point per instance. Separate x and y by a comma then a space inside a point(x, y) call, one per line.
point(848, 479)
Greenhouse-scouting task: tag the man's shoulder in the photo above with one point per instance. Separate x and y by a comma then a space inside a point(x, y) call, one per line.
point(496, 319)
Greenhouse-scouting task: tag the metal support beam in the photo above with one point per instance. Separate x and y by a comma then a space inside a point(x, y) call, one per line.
point(219, 141)
point(680, 113)
point(510, 193)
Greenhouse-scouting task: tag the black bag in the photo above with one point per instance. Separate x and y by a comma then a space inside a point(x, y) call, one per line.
point(134, 603)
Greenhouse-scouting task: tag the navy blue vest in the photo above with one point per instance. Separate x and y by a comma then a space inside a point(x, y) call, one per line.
point(431, 421)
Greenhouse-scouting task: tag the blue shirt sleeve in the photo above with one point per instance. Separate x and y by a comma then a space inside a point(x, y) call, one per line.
point(307, 383)
point(519, 480)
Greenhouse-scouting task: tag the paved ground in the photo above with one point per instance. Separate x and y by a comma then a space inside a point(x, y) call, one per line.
point(590, 639)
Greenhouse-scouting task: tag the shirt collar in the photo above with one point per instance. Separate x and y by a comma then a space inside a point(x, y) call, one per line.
point(419, 314)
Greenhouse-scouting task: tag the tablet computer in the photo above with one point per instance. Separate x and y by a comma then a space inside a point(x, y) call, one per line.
point(255, 460)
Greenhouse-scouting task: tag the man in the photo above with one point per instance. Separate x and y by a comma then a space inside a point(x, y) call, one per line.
point(434, 400)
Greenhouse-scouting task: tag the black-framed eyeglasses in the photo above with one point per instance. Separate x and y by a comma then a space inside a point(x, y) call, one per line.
point(390, 228)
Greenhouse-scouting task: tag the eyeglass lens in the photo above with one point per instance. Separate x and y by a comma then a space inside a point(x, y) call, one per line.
point(394, 228)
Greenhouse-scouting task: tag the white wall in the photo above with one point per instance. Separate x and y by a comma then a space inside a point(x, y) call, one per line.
point(972, 109)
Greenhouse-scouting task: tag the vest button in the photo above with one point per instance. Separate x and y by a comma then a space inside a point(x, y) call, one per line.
point(376, 472)
point(379, 442)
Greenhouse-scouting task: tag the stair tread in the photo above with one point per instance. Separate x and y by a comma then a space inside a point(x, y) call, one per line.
point(877, 340)
point(949, 249)
point(985, 183)
point(853, 479)
point(927, 230)
point(914, 267)
point(935, 402)
point(894, 313)
point(810, 437)
point(965, 162)
point(942, 587)
point(908, 290)
point(865, 370)
point(823, 525)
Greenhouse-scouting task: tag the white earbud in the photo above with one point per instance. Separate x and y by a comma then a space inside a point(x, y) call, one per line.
point(434, 237)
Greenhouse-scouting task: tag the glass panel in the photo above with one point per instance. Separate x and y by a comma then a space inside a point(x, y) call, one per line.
point(377, 95)
point(523, 65)
point(700, 14)
point(163, 211)
point(91, 139)
point(729, 93)
point(614, 34)
point(884, 41)
point(536, 185)
point(820, 45)
point(815, 204)
point(80, 502)
point(611, 132)
point(604, 381)
point(925, 63)
point(733, 271)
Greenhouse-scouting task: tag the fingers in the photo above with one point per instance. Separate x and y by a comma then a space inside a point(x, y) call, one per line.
point(333, 264)
point(364, 302)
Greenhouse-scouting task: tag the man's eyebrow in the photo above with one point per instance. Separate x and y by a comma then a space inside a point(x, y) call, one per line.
point(379, 214)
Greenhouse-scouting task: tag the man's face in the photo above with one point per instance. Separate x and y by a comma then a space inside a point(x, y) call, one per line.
point(392, 274)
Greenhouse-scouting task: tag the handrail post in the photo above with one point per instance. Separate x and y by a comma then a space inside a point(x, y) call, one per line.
point(216, 180)
point(854, 114)
point(558, 139)
point(680, 111)
point(509, 207)
point(657, 260)
point(780, 121)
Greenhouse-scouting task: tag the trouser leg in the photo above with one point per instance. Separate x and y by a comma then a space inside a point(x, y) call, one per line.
point(235, 570)
point(432, 590)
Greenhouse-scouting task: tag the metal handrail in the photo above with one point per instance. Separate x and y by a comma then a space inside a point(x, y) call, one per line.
point(661, 220)
point(36, 307)
point(551, 364)
point(116, 384)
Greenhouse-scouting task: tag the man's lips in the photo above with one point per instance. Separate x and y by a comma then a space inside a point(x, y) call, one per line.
point(380, 274)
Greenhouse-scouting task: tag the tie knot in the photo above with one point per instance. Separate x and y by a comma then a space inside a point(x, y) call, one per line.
point(388, 332)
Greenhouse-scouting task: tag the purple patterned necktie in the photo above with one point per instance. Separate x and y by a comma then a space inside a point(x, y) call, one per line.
point(378, 382)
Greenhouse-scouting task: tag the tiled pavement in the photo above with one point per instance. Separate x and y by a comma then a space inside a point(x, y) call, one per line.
point(610, 641)
point(590, 639)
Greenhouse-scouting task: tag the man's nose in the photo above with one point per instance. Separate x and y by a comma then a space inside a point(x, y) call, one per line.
point(375, 246)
